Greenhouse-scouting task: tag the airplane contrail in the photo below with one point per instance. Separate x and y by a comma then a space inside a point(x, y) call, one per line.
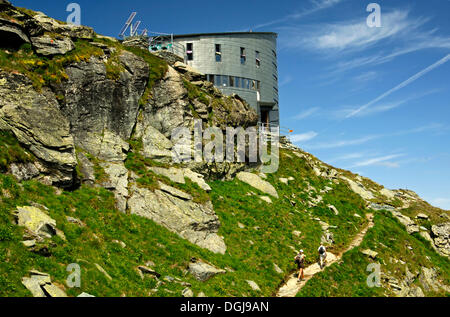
point(400, 86)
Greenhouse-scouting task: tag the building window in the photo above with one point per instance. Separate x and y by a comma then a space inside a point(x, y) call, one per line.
point(274, 54)
point(218, 53)
point(243, 56)
point(232, 81)
point(258, 60)
point(258, 86)
point(275, 77)
point(275, 65)
point(190, 51)
point(238, 82)
point(211, 78)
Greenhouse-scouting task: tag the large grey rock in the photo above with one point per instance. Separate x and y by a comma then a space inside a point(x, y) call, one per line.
point(192, 221)
point(103, 112)
point(441, 238)
point(24, 171)
point(70, 30)
point(256, 182)
point(176, 175)
point(411, 226)
point(36, 221)
point(40, 285)
point(203, 271)
point(155, 145)
point(36, 121)
point(189, 72)
point(117, 182)
point(197, 178)
point(86, 168)
point(47, 46)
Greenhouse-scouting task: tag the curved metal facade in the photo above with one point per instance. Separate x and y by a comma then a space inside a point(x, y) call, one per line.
point(244, 63)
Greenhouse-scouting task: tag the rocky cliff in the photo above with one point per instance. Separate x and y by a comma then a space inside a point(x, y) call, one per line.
point(87, 177)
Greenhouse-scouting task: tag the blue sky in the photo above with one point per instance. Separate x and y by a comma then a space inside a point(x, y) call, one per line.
point(372, 100)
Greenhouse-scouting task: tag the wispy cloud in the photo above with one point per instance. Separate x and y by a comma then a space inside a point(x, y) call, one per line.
point(365, 139)
point(306, 113)
point(286, 80)
point(381, 160)
point(303, 137)
point(401, 85)
point(317, 5)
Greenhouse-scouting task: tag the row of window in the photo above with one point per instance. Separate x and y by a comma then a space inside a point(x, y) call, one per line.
point(218, 55)
point(234, 81)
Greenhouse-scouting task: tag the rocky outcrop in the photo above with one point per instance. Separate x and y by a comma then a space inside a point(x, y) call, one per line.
point(441, 238)
point(40, 285)
point(47, 46)
point(139, 41)
point(411, 226)
point(102, 112)
point(12, 34)
point(36, 221)
point(69, 30)
point(177, 212)
point(36, 121)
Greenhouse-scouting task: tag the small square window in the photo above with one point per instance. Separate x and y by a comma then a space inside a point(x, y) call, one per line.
point(243, 56)
point(218, 53)
point(258, 59)
point(190, 51)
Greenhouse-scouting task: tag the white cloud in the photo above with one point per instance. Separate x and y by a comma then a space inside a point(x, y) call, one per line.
point(382, 160)
point(317, 5)
point(303, 137)
point(306, 113)
point(342, 143)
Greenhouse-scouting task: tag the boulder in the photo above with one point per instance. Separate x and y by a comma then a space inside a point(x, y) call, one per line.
point(277, 269)
point(155, 145)
point(411, 226)
point(85, 295)
point(203, 271)
point(190, 73)
point(253, 285)
point(187, 292)
point(359, 189)
point(148, 270)
point(441, 237)
point(24, 171)
point(422, 216)
point(36, 221)
point(70, 30)
point(86, 168)
point(333, 209)
point(176, 175)
point(192, 221)
point(266, 199)
point(40, 285)
point(256, 182)
point(48, 46)
point(370, 253)
point(197, 179)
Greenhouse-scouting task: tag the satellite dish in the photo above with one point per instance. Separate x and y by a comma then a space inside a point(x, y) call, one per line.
point(127, 24)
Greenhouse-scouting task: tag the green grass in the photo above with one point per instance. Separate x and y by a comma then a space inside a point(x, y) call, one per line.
point(389, 238)
point(11, 151)
point(44, 71)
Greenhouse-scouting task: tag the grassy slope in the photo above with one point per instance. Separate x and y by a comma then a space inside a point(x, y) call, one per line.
point(389, 238)
point(268, 226)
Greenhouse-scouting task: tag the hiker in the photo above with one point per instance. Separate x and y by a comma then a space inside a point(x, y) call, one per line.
point(300, 261)
point(322, 255)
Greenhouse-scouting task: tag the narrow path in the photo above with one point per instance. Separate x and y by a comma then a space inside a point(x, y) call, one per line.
point(292, 287)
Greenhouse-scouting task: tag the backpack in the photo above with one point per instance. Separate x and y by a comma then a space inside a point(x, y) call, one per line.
point(321, 250)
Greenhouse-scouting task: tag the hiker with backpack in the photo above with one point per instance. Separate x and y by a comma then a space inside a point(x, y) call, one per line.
point(300, 261)
point(322, 255)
